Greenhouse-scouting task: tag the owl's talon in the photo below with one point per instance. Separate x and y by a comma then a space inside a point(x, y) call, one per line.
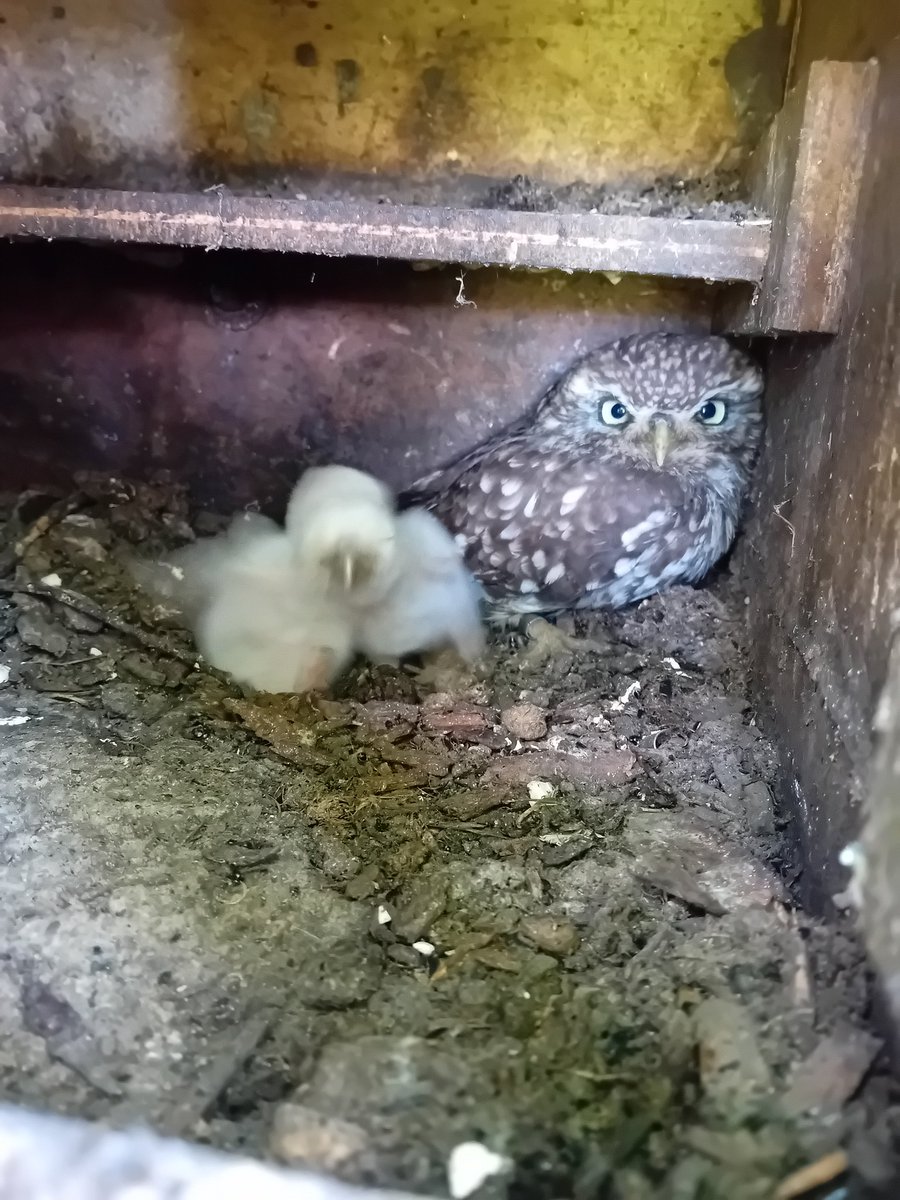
point(548, 641)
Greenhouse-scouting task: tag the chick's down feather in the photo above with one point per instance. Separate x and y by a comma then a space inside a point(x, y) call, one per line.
point(254, 615)
point(434, 601)
point(341, 524)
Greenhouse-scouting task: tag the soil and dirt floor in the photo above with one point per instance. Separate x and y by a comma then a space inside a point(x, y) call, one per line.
point(544, 906)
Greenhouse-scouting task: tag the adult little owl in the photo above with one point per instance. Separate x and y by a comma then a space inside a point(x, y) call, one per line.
point(627, 478)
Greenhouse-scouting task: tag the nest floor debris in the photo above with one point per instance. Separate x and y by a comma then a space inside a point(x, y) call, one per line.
point(544, 906)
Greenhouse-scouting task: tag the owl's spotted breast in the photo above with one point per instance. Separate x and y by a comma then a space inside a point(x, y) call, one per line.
point(563, 533)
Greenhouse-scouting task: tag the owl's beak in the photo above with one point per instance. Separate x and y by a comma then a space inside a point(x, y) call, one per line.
point(662, 440)
point(349, 569)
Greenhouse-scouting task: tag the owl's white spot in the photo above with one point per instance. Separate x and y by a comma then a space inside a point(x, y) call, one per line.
point(509, 532)
point(496, 560)
point(531, 505)
point(528, 586)
point(486, 483)
point(509, 487)
point(461, 542)
point(652, 521)
point(539, 558)
point(622, 567)
point(581, 385)
point(508, 503)
point(554, 573)
point(573, 495)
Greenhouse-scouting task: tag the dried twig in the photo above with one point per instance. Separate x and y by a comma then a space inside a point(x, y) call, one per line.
point(58, 511)
point(90, 608)
point(822, 1171)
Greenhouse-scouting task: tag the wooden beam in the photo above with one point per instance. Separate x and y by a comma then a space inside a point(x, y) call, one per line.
point(807, 174)
point(702, 249)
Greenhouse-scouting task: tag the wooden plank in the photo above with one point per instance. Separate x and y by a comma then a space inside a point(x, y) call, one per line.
point(701, 249)
point(807, 175)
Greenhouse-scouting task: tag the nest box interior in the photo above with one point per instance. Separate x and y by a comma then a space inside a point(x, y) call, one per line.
point(239, 239)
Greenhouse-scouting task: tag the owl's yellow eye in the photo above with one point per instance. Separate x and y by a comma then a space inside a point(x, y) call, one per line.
point(614, 412)
point(712, 412)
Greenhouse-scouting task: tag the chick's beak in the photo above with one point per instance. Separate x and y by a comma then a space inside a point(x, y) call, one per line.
point(662, 440)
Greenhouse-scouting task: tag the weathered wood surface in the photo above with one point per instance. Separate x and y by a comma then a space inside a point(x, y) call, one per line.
point(822, 554)
point(701, 249)
point(878, 872)
point(807, 175)
point(52, 1158)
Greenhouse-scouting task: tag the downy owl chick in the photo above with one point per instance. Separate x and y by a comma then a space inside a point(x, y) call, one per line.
point(252, 613)
point(341, 524)
point(434, 601)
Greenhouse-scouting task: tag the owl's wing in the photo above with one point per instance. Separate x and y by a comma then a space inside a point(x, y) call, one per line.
point(429, 487)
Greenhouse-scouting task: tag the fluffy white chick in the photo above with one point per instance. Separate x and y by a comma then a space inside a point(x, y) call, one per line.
point(342, 525)
point(434, 601)
point(252, 612)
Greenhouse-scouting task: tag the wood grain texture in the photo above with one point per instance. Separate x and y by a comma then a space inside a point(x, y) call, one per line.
point(823, 550)
point(711, 250)
point(807, 175)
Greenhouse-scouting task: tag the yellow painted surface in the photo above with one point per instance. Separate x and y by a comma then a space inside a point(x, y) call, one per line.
point(558, 89)
point(598, 90)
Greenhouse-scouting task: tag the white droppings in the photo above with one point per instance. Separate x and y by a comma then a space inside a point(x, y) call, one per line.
point(400, 330)
point(470, 1165)
point(335, 347)
point(4, 673)
point(95, 652)
point(384, 917)
point(553, 574)
point(673, 664)
point(52, 580)
point(17, 720)
point(426, 949)
point(530, 505)
point(853, 857)
point(630, 692)
point(850, 855)
point(540, 789)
